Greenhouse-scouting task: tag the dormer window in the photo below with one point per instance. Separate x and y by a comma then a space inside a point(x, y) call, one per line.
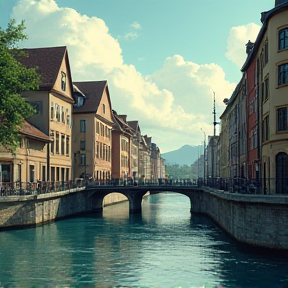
point(80, 101)
point(63, 81)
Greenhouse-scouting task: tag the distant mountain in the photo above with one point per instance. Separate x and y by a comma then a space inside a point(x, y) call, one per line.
point(186, 155)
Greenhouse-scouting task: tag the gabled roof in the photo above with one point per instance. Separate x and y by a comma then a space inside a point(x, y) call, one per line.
point(93, 91)
point(148, 140)
point(47, 61)
point(32, 132)
point(120, 124)
point(134, 125)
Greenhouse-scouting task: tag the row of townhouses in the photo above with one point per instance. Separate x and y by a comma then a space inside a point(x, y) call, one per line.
point(253, 142)
point(75, 132)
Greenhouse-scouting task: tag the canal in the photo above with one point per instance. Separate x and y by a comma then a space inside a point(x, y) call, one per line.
point(164, 247)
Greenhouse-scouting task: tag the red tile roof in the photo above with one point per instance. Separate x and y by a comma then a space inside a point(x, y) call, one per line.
point(93, 90)
point(32, 132)
point(48, 60)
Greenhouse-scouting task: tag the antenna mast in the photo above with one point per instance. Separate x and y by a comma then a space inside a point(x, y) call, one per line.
point(214, 112)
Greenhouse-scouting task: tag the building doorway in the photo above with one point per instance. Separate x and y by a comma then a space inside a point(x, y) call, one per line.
point(282, 173)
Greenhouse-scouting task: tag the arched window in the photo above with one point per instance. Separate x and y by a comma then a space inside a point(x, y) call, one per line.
point(282, 173)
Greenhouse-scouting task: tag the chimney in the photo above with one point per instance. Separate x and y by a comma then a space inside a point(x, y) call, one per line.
point(249, 47)
point(279, 2)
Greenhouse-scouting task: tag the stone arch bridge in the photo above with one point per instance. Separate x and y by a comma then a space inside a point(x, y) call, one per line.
point(135, 195)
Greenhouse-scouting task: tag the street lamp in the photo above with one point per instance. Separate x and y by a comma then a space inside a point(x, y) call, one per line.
point(204, 161)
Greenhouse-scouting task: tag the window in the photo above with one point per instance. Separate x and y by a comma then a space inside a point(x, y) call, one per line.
point(103, 106)
point(101, 151)
point(97, 127)
point(266, 129)
point(67, 174)
point(282, 119)
point(67, 146)
point(37, 106)
point(67, 117)
point(83, 159)
point(283, 74)
point(104, 151)
point(62, 144)
point(32, 173)
point(63, 81)
point(82, 125)
point(283, 39)
point(82, 144)
point(57, 112)
point(263, 91)
point(97, 150)
point(57, 142)
point(52, 116)
point(52, 143)
point(62, 115)
point(266, 88)
point(266, 51)
point(52, 174)
point(43, 173)
point(102, 129)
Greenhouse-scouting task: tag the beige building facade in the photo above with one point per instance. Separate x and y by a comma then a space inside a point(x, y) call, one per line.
point(92, 131)
point(45, 150)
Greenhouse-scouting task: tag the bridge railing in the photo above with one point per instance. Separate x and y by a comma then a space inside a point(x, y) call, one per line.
point(40, 187)
point(159, 182)
point(247, 186)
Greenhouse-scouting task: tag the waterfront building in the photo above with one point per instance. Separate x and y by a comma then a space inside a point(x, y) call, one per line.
point(24, 165)
point(154, 162)
point(223, 146)
point(145, 159)
point(157, 163)
point(253, 116)
point(233, 134)
point(53, 104)
point(92, 131)
point(122, 135)
point(162, 168)
point(270, 52)
point(136, 138)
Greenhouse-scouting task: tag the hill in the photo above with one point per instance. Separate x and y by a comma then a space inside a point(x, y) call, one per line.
point(186, 155)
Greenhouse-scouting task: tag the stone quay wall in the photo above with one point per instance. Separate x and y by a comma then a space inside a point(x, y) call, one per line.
point(258, 220)
point(21, 211)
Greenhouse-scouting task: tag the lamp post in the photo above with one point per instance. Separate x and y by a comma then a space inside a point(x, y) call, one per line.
point(204, 160)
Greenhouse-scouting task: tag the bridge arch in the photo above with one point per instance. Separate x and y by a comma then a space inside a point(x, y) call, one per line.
point(135, 199)
point(135, 196)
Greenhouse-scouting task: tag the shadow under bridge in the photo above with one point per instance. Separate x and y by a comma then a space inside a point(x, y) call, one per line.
point(135, 195)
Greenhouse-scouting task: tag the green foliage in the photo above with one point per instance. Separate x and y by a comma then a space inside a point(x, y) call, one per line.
point(176, 171)
point(14, 78)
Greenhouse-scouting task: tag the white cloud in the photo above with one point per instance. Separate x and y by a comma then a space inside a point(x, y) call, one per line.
point(136, 25)
point(171, 105)
point(237, 39)
point(131, 36)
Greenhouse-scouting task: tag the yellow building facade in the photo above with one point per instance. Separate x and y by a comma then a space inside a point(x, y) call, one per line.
point(272, 64)
point(45, 150)
point(92, 131)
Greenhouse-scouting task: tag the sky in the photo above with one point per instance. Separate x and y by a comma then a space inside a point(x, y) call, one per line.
point(164, 60)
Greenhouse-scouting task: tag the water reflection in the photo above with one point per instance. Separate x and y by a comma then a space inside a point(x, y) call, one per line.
point(163, 247)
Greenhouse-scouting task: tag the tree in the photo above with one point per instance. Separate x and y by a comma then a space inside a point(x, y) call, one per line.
point(14, 78)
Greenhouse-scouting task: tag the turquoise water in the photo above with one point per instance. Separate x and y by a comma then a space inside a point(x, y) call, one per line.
point(163, 247)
